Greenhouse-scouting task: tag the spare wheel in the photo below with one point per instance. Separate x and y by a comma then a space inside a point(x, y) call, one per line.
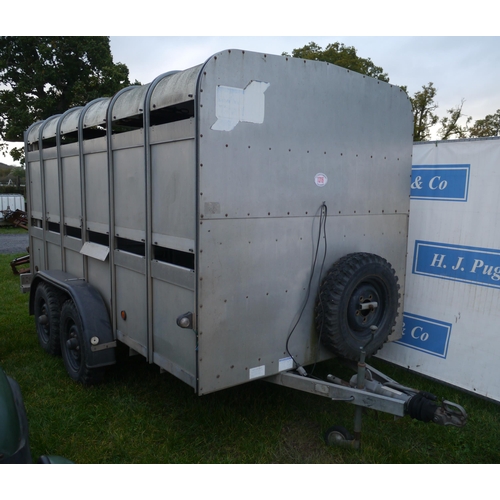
point(357, 305)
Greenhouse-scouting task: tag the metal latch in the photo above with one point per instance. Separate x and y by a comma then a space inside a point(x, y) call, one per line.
point(185, 320)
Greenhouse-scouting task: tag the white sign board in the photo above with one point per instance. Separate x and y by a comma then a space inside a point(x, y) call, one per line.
point(451, 323)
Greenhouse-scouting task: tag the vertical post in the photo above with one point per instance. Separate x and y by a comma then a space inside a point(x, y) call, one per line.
point(83, 182)
point(360, 384)
point(44, 194)
point(29, 204)
point(60, 180)
point(149, 209)
point(111, 201)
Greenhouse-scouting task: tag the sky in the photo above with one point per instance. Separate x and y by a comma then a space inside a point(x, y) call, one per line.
point(460, 67)
point(456, 49)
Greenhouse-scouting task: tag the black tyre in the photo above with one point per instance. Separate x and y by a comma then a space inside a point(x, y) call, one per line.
point(47, 311)
point(73, 349)
point(337, 436)
point(357, 305)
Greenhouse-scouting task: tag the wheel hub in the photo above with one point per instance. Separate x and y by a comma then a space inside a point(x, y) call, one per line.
point(72, 344)
point(363, 309)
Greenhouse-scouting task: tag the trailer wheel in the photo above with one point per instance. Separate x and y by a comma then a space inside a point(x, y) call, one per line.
point(337, 436)
point(47, 311)
point(357, 305)
point(73, 349)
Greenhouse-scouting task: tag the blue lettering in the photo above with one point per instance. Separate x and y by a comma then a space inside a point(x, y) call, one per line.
point(458, 263)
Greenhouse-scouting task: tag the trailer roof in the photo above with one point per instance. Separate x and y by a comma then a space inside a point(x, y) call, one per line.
point(167, 90)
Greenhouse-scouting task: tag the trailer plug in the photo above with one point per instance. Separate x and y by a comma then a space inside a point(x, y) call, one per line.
point(422, 407)
point(302, 371)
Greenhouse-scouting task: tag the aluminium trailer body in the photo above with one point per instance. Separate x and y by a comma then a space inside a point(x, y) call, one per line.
point(193, 218)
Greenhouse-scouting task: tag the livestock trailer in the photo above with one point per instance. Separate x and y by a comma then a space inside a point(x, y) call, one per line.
point(242, 219)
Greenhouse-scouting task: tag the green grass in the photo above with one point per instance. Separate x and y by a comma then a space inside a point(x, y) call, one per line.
point(12, 230)
point(141, 416)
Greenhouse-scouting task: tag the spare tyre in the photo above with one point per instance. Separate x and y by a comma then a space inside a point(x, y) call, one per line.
point(357, 305)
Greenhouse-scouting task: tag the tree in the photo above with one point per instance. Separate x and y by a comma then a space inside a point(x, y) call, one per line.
point(450, 126)
point(489, 126)
point(341, 55)
point(45, 76)
point(423, 112)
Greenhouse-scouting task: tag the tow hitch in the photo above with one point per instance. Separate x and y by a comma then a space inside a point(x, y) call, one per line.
point(369, 388)
point(422, 407)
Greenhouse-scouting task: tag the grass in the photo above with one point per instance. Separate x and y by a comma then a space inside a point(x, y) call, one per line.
point(143, 417)
point(12, 230)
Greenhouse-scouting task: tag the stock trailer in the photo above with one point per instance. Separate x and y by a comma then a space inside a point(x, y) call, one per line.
point(243, 219)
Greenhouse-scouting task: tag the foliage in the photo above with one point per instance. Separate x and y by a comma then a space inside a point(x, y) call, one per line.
point(489, 126)
point(45, 76)
point(424, 106)
point(341, 55)
point(450, 127)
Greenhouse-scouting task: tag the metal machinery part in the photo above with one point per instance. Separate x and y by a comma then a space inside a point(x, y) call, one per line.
point(370, 388)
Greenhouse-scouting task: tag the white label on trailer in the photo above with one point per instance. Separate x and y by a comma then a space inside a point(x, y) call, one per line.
point(320, 180)
point(258, 371)
point(285, 364)
point(234, 105)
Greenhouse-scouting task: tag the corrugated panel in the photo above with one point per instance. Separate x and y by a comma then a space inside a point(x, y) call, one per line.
point(50, 126)
point(69, 122)
point(176, 88)
point(96, 114)
point(130, 103)
point(33, 133)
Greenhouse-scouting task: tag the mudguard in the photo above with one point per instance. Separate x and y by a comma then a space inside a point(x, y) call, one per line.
point(100, 342)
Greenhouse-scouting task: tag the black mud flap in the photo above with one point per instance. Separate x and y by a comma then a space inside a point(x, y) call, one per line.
point(100, 343)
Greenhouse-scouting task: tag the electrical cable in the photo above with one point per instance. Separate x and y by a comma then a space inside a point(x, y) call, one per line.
point(319, 286)
point(322, 230)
